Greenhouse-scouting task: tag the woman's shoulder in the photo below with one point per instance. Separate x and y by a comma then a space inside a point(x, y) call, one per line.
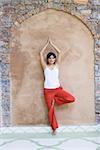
point(55, 66)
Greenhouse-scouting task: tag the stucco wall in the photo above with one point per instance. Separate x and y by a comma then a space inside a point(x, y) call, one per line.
point(76, 69)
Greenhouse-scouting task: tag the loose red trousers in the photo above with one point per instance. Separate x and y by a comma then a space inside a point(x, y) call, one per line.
point(60, 96)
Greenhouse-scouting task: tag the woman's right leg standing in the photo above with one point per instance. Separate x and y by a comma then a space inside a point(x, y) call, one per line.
point(49, 98)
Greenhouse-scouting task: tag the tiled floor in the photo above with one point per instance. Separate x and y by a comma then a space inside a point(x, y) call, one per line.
point(40, 138)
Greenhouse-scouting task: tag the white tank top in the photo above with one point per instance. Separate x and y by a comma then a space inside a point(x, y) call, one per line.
point(51, 77)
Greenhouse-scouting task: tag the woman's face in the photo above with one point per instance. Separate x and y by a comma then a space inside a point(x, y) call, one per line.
point(51, 60)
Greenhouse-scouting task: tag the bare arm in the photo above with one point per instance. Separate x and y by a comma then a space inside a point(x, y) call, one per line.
point(41, 55)
point(59, 52)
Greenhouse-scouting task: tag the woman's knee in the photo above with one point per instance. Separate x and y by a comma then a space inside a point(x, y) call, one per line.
point(72, 99)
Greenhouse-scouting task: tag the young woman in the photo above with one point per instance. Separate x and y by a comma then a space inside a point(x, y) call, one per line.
point(53, 91)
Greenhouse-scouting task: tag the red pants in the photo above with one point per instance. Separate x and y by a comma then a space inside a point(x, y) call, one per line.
point(60, 97)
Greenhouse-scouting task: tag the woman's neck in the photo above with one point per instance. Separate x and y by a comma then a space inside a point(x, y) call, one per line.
point(51, 64)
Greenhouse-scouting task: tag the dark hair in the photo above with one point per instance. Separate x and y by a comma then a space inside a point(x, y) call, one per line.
point(49, 54)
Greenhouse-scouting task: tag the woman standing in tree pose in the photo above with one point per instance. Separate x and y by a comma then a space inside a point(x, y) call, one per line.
point(53, 91)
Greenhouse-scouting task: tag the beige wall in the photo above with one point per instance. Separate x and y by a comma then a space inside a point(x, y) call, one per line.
point(76, 69)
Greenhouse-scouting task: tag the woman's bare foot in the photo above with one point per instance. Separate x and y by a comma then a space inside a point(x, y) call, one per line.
point(53, 132)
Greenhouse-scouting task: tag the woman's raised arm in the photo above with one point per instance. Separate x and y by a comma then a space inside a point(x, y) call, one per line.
point(41, 55)
point(59, 52)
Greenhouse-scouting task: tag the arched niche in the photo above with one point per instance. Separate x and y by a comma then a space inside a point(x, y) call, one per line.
point(76, 70)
